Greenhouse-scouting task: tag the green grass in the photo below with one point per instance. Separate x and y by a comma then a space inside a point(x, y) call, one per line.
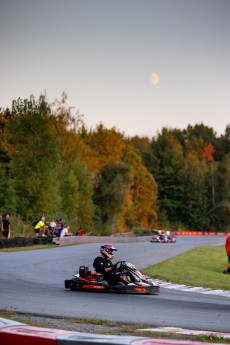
point(202, 266)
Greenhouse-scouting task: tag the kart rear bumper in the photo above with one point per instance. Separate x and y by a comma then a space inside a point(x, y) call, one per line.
point(76, 284)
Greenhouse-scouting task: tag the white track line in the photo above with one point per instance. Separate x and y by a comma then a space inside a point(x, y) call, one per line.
point(193, 289)
point(186, 331)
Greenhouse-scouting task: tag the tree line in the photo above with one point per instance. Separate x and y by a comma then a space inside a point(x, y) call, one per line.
point(106, 182)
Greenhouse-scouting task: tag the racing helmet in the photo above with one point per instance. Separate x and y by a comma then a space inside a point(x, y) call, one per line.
point(107, 250)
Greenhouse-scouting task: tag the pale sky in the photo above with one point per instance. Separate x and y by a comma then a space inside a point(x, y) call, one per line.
point(136, 65)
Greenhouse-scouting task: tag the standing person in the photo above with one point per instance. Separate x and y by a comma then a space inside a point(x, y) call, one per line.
point(227, 248)
point(0, 220)
point(6, 226)
point(39, 227)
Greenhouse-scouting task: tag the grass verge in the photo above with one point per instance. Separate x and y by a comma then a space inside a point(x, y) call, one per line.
point(202, 266)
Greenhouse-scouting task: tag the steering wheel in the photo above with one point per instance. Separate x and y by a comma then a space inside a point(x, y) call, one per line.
point(117, 265)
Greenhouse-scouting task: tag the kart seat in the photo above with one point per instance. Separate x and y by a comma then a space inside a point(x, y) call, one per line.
point(83, 271)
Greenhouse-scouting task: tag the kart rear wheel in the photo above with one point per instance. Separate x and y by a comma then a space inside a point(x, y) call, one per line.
point(120, 287)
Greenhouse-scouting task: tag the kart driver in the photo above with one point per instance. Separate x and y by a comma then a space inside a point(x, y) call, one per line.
point(104, 265)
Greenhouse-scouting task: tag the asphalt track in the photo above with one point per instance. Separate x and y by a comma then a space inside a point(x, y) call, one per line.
point(33, 282)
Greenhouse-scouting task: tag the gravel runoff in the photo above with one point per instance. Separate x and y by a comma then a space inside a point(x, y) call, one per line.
point(63, 323)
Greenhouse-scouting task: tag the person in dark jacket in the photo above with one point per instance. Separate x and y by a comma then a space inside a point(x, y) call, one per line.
point(6, 227)
point(103, 264)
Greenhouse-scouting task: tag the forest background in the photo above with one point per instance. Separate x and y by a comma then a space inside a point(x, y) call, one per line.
point(105, 182)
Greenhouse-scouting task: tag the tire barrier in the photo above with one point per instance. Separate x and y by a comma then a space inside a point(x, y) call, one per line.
point(16, 333)
point(24, 241)
point(199, 233)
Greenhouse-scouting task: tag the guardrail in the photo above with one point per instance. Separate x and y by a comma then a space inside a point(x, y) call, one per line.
point(23, 241)
point(123, 239)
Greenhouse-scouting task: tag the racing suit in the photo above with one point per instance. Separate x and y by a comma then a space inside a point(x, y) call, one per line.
point(100, 264)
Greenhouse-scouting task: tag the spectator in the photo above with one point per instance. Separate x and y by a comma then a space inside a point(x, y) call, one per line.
point(41, 216)
point(35, 222)
point(80, 232)
point(227, 248)
point(51, 228)
point(39, 227)
point(59, 227)
point(6, 226)
point(65, 231)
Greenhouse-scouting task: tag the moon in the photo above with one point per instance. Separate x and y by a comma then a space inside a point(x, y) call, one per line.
point(154, 79)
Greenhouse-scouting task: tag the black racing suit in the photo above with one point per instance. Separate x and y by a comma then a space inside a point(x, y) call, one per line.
point(100, 264)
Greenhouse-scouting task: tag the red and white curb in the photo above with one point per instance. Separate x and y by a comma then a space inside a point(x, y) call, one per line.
point(12, 332)
point(207, 291)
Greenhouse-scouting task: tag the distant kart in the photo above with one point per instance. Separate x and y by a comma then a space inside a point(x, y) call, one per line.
point(162, 237)
point(163, 240)
point(133, 281)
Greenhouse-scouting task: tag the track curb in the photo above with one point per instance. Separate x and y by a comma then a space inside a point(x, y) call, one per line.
point(12, 332)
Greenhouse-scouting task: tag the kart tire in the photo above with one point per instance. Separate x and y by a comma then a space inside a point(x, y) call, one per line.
point(120, 287)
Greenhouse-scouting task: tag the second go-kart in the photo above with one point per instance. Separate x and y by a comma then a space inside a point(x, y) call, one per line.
point(132, 281)
point(162, 237)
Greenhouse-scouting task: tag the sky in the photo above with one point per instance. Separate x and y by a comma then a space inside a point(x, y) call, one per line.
point(135, 65)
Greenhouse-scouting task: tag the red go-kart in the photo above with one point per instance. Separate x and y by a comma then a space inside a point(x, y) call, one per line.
point(131, 281)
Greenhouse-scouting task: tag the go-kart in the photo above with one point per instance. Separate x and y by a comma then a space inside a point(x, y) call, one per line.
point(131, 281)
point(162, 239)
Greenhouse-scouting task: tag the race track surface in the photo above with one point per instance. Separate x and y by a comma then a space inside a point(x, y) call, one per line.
point(33, 282)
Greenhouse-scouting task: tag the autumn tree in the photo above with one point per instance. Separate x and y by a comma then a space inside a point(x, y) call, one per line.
point(8, 199)
point(106, 182)
point(195, 203)
point(165, 161)
point(202, 131)
point(111, 196)
point(76, 184)
point(34, 157)
point(143, 191)
point(219, 213)
point(222, 145)
point(107, 143)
